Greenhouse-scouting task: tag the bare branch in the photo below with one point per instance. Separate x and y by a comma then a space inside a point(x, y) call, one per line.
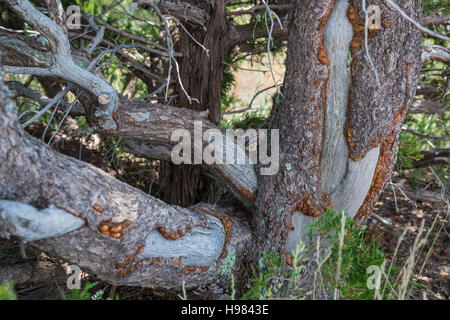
point(415, 23)
point(64, 67)
point(426, 136)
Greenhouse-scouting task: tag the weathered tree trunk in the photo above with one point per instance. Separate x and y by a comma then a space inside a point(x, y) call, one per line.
point(338, 140)
point(338, 130)
point(201, 77)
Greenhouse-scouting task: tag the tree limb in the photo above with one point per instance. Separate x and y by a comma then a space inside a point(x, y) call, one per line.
point(126, 237)
point(63, 66)
point(435, 52)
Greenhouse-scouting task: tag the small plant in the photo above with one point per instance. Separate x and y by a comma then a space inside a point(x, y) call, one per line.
point(273, 281)
point(78, 294)
point(350, 255)
point(7, 291)
point(340, 253)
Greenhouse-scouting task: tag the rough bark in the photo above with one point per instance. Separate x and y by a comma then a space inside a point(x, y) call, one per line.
point(338, 140)
point(323, 163)
point(127, 237)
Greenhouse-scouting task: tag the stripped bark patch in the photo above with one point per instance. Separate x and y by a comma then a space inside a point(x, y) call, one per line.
point(97, 210)
point(130, 263)
point(382, 174)
point(227, 224)
point(193, 269)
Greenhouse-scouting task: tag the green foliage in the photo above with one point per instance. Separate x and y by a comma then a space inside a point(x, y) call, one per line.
point(273, 280)
point(84, 294)
point(264, 278)
point(245, 121)
point(357, 255)
point(408, 152)
point(7, 291)
point(434, 5)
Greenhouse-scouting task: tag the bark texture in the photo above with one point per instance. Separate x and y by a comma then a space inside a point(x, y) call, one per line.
point(129, 237)
point(338, 140)
point(315, 106)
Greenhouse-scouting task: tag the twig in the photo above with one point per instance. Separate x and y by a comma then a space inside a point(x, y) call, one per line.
point(426, 136)
point(251, 102)
point(271, 14)
point(420, 27)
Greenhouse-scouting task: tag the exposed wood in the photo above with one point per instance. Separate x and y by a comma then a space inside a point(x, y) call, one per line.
point(435, 52)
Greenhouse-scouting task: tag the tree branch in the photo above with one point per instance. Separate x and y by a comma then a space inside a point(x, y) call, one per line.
point(121, 234)
point(435, 52)
point(63, 66)
point(150, 129)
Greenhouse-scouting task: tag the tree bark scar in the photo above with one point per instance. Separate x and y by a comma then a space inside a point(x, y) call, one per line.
point(383, 169)
point(227, 224)
point(193, 269)
point(130, 263)
point(114, 230)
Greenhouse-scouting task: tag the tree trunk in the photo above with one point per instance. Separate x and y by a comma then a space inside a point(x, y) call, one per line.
point(338, 130)
point(201, 75)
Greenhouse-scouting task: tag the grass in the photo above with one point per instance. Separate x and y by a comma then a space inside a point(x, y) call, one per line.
point(342, 262)
point(7, 291)
point(85, 294)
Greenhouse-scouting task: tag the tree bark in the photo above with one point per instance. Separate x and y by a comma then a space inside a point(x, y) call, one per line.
point(201, 75)
point(338, 140)
point(127, 237)
point(338, 131)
